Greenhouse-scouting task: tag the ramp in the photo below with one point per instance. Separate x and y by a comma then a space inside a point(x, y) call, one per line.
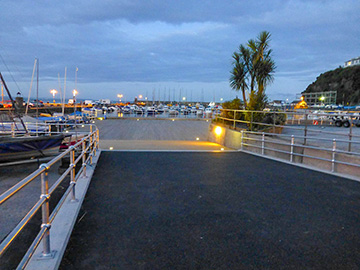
point(228, 210)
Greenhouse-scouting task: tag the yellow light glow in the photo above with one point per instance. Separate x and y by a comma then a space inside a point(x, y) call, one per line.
point(222, 149)
point(75, 92)
point(82, 125)
point(173, 120)
point(111, 148)
point(140, 96)
point(137, 119)
point(197, 138)
point(218, 130)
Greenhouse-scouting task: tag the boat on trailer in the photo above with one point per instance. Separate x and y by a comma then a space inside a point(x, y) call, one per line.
point(29, 147)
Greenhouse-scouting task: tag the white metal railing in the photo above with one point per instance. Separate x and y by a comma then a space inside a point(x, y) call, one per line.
point(304, 122)
point(251, 140)
point(85, 149)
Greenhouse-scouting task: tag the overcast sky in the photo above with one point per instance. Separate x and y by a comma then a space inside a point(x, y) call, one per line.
point(134, 47)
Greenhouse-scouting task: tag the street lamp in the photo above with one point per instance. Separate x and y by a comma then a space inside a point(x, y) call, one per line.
point(120, 96)
point(140, 96)
point(53, 92)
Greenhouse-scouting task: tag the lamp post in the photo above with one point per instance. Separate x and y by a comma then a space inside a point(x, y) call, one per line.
point(120, 96)
point(53, 92)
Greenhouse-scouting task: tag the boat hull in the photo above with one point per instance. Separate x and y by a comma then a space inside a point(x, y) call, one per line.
point(29, 147)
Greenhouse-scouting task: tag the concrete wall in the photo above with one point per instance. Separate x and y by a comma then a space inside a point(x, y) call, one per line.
point(232, 139)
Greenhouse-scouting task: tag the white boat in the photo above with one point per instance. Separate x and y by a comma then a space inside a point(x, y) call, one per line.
point(208, 113)
point(151, 110)
point(173, 112)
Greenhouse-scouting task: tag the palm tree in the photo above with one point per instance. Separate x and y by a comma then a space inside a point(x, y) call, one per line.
point(238, 77)
point(253, 70)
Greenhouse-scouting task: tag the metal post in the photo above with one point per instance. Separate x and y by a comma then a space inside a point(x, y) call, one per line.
point(333, 156)
point(306, 128)
point(45, 211)
point(274, 122)
point(12, 130)
point(263, 143)
point(242, 140)
point(91, 147)
point(73, 173)
point(292, 148)
point(251, 121)
point(234, 119)
point(350, 134)
point(84, 157)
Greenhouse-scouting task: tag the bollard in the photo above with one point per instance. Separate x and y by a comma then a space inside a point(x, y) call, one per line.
point(263, 143)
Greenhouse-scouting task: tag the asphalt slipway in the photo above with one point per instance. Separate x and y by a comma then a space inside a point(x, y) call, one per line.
point(225, 210)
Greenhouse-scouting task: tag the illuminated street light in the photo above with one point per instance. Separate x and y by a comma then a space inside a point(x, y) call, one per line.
point(120, 96)
point(75, 92)
point(140, 96)
point(53, 92)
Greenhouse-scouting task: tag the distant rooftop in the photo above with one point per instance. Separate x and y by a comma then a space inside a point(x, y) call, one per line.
point(352, 62)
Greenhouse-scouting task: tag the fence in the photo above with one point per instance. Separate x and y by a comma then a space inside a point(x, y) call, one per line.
point(83, 151)
point(301, 123)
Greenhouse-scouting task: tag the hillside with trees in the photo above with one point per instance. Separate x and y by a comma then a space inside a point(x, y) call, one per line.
point(346, 81)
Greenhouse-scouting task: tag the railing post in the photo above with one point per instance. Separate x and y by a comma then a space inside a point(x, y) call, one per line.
point(263, 143)
point(292, 148)
point(72, 173)
point(45, 212)
point(91, 144)
point(242, 140)
point(306, 128)
point(84, 157)
point(234, 120)
point(350, 134)
point(251, 120)
point(333, 156)
point(274, 114)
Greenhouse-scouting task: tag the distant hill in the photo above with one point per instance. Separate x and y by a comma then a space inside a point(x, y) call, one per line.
point(346, 81)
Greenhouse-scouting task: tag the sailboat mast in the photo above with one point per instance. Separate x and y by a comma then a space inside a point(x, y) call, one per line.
point(13, 103)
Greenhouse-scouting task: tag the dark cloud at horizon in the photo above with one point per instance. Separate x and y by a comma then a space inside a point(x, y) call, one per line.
point(157, 42)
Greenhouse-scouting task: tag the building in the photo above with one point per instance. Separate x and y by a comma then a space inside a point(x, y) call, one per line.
point(352, 62)
point(320, 98)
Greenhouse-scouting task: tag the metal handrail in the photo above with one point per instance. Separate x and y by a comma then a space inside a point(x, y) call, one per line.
point(305, 121)
point(93, 141)
point(292, 144)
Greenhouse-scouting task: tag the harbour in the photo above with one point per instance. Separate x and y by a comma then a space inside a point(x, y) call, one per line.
point(182, 135)
point(181, 152)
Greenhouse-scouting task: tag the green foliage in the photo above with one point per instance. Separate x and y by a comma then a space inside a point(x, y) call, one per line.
point(253, 69)
point(235, 104)
point(346, 81)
